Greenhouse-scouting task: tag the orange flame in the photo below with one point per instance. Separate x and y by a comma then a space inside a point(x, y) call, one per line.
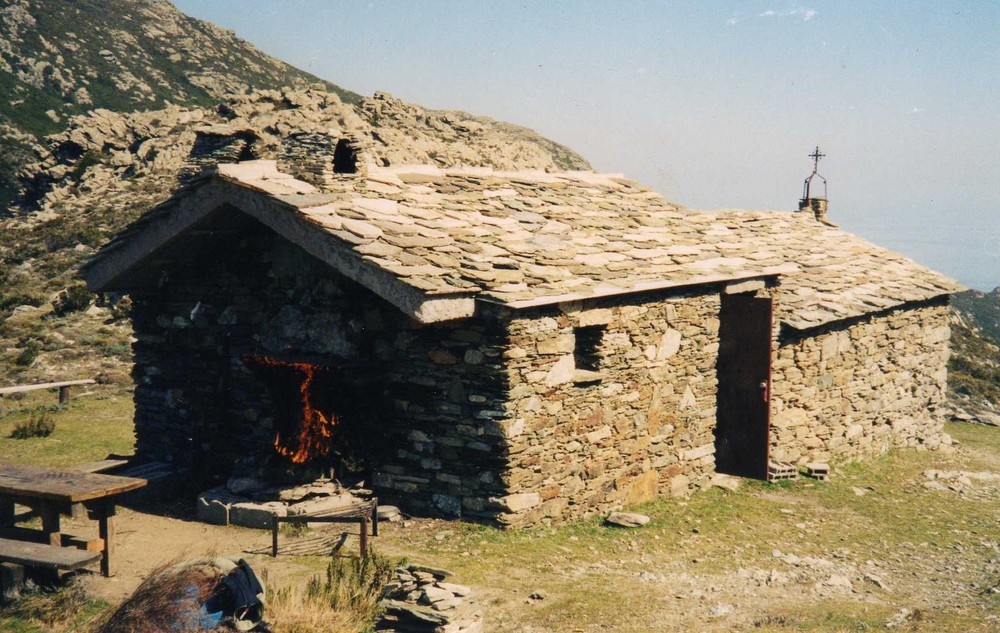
point(314, 434)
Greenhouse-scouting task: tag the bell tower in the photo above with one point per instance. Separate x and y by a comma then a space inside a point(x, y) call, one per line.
point(810, 201)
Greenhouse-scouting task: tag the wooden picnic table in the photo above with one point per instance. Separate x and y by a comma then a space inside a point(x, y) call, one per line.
point(51, 492)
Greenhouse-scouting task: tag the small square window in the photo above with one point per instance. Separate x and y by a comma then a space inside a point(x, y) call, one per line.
point(587, 349)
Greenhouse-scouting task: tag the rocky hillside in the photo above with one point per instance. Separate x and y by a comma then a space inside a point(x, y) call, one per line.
point(61, 58)
point(974, 368)
point(108, 167)
point(981, 309)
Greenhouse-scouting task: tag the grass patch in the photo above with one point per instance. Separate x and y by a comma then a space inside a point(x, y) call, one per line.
point(932, 548)
point(76, 298)
point(86, 430)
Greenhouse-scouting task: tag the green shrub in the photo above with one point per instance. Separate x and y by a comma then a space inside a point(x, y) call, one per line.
point(73, 299)
point(16, 299)
point(353, 583)
point(122, 350)
point(121, 310)
point(37, 425)
point(89, 159)
point(28, 354)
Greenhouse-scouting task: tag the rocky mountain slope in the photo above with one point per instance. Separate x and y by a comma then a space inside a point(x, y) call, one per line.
point(136, 97)
point(981, 309)
point(974, 369)
point(60, 58)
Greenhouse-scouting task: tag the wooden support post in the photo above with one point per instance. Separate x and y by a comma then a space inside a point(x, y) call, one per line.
point(106, 530)
point(374, 507)
point(274, 536)
point(364, 536)
point(50, 523)
point(6, 513)
point(64, 395)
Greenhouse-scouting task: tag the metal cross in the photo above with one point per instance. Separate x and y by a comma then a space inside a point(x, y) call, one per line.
point(816, 156)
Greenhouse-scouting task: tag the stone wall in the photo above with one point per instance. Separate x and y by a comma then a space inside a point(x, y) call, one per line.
point(635, 424)
point(417, 403)
point(854, 389)
point(546, 413)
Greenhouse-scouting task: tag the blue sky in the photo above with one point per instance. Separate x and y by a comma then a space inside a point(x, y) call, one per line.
point(714, 104)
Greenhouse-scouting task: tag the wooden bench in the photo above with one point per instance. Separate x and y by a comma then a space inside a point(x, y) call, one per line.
point(63, 387)
point(362, 513)
point(46, 556)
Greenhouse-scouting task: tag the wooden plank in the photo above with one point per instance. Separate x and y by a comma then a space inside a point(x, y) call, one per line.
point(84, 543)
point(18, 480)
point(99, 466)
point(46, 385)
point(40, 555)
point(7, 513)
point(32, 535)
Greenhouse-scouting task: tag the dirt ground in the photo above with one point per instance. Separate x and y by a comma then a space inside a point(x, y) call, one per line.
point(908, 542)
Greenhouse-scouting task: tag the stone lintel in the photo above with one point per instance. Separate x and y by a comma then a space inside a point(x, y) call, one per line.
point(750, 285)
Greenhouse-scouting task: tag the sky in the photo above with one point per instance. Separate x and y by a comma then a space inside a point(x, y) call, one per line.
point(714, 104)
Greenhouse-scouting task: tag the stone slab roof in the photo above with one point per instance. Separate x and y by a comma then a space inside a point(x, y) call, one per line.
point(532, 238)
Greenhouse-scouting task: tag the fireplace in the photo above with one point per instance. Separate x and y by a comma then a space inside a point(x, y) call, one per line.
point(259, 370)
point(303, 400)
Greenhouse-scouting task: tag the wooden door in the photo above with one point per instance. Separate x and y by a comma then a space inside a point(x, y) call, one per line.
point(744, 373)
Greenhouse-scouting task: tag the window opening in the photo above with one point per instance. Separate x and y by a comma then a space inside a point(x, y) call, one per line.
point(587, 349)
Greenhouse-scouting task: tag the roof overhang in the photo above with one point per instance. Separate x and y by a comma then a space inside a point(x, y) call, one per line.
point(730, 285)
point(110, 270)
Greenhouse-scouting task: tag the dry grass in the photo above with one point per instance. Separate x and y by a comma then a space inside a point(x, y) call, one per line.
point(345, 600)
point(34, 609)
point(48, 608)
point(168, 600)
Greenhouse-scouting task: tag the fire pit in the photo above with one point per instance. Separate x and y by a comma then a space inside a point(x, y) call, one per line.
point(298, 479)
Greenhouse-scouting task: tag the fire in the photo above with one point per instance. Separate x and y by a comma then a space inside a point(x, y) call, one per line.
point(314, 434)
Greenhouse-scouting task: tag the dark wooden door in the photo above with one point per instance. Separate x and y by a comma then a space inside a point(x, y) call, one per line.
point(744, 373)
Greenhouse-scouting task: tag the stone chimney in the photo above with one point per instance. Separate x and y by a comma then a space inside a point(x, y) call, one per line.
point(813, 203)
point(816, 205)
point(320, 159)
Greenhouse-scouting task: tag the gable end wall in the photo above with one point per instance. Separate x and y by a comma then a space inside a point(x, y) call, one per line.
point(855, 389)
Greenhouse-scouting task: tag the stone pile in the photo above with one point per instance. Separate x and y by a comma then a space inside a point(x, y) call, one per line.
point(420, 601)
point(988, 418)
point(250, 502)
point(973, 485)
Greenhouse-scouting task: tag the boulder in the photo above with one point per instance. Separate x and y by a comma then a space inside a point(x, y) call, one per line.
point(627, 519)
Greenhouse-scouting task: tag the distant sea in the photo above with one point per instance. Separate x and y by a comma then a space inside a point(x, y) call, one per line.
point(967, 250)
